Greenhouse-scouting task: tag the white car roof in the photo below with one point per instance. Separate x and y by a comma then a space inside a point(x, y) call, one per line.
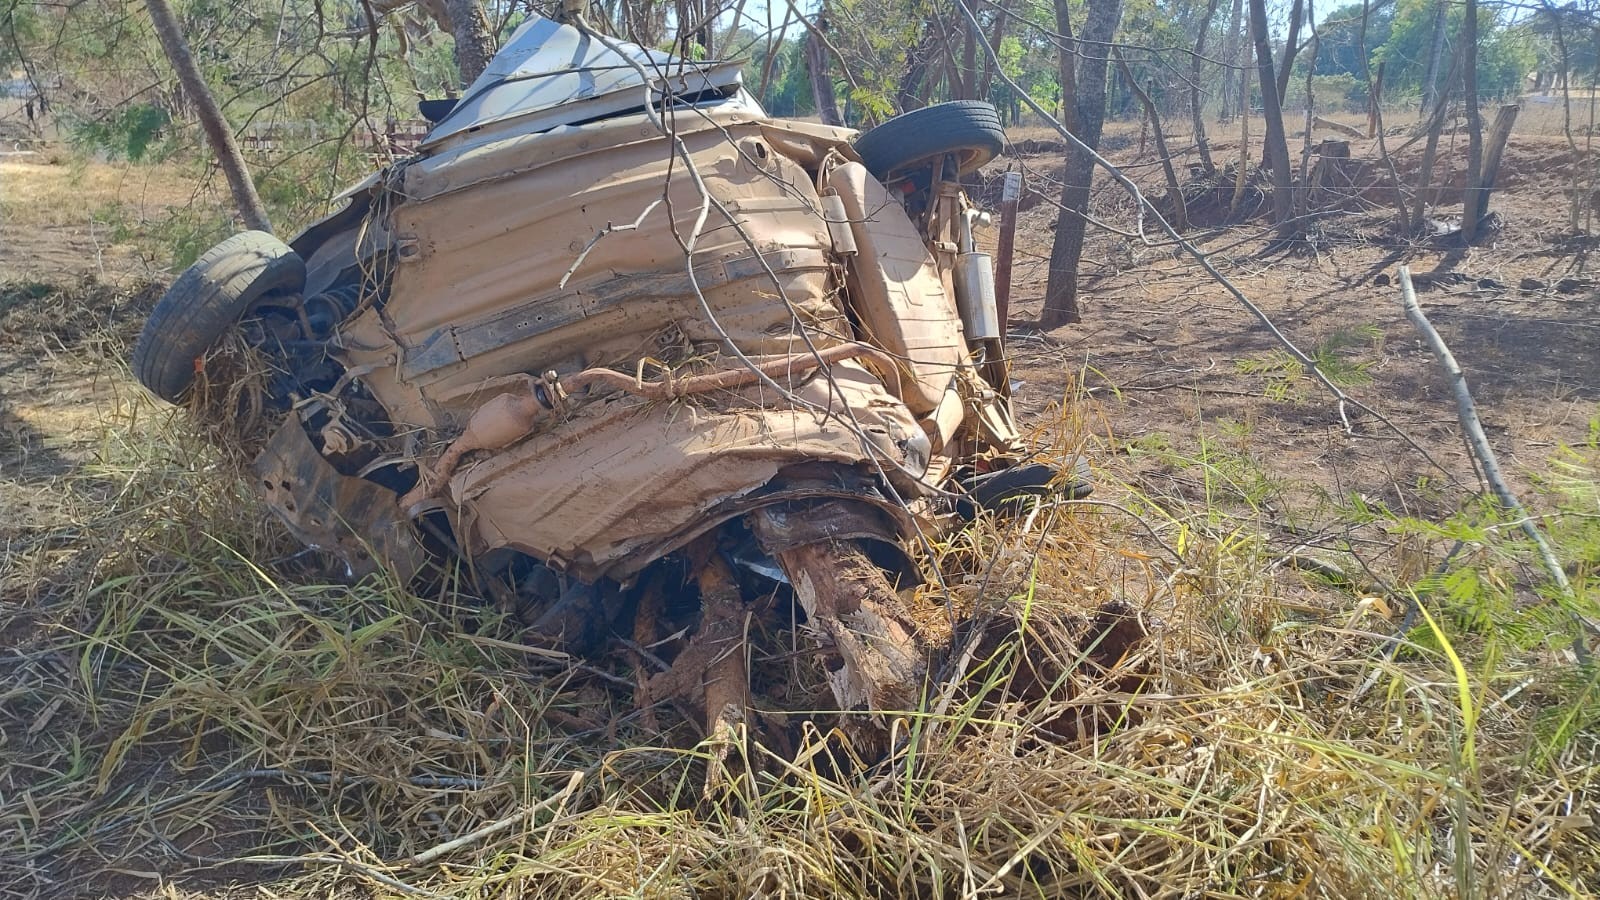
point(549, 74)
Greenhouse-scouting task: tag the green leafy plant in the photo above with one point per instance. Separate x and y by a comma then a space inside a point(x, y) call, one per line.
point(128, 133)
point(1284, 372)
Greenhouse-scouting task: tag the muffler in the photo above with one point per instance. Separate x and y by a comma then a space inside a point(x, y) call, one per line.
point(980, 317)
point(974, 284)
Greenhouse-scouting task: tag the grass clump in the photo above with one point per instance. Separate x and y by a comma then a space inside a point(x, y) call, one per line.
point(187, 707)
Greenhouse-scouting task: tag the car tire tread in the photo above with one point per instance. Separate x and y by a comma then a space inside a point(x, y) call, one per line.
point(960, 125)
point(207, 300)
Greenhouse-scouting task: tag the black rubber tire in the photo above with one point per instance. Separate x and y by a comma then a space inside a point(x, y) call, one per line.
point(970, 128)
point(1008, 490)
point(208, 299)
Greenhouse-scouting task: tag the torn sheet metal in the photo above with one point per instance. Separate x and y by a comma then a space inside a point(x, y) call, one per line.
point(351, 518)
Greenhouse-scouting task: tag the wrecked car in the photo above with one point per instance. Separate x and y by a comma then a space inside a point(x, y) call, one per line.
point(613, 338)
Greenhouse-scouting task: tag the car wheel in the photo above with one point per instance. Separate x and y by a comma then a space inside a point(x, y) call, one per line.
point(206, 301)
point(969, 128)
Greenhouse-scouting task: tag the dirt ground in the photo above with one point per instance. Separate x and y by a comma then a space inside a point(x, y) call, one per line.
point(1169, 357)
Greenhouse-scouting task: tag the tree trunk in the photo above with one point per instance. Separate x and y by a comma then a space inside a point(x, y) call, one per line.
point(1277, 142)
point(1374, 100)
point(774, 50)
point(1230, 55)
point(1430, 81)
point(1303, 204)
point(996, 35)
point(1206, 165)
point(817, 68)
point(969, 65)
point(1180, 215)
point(949, 63)
point(1429, 149)
point(1375, 122)
point(1099, 26)
point(1286, 65)
point(1243, 172)
point(1575, 191)
point(474, 43)
point(1067, 60)
point(1472, 199)
point(1499, 133)
point(218, 134)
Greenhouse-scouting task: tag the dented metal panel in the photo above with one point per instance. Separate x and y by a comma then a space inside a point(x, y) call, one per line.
point(625, 474)
point(897, 291)
point(602, 304)
point(549, 74)
point(351, 518)
point(497, 276)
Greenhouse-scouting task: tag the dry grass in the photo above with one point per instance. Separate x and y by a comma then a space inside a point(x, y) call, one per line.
point(49, 190)
point(61, 213)
point(185, 709)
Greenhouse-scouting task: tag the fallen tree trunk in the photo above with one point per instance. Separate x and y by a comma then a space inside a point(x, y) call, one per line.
point(850, 604)
point(1340, 127)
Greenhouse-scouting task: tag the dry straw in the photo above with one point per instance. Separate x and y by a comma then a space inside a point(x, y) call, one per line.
point(187, 711)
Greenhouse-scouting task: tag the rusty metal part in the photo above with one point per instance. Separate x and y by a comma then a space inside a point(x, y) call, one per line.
point(498, 423)
point(352, 518)
point(990, 415)
point(509, 417)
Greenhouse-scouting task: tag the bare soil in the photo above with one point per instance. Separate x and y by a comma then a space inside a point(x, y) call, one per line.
point(1168, 357)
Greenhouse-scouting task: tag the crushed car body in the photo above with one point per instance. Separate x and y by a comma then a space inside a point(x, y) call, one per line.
point(613, 328)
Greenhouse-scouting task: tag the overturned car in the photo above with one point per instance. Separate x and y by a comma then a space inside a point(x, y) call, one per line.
point(613, 338)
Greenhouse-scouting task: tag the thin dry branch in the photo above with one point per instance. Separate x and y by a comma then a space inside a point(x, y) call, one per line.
point(466, 840)
point(1472, 429)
